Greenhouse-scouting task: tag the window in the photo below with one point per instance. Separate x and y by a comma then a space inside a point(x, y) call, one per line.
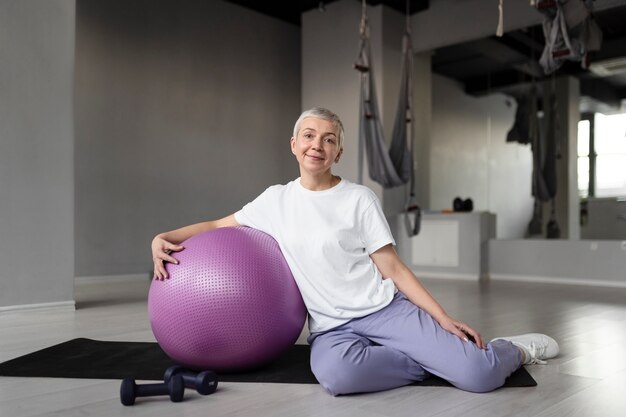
point(602, 156)
point(584, 127)
point(610, 147)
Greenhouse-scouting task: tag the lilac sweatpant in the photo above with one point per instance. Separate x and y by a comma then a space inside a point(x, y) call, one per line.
point(401, 344)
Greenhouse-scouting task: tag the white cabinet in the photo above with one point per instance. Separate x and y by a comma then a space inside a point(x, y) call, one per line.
point(451, 245)
point(437, 244)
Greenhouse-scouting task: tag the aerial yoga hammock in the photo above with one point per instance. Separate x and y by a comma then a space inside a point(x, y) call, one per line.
point(571, 32)
point(541, 134)
point(394, 167)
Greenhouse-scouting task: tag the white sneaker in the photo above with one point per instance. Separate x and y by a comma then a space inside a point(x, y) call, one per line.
point(535, 346)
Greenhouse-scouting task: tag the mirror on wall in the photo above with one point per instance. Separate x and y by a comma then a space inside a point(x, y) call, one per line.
point(591, 202)
point(602, 175)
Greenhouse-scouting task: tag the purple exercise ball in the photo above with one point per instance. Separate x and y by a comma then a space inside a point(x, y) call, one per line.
point(230, 304)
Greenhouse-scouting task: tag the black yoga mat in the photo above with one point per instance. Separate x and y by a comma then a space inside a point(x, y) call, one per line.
point(87, 358)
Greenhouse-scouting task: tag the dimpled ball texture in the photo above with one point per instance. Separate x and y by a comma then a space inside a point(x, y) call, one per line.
point(231, 304)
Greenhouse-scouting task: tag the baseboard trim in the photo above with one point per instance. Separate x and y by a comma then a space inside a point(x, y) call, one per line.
point(557, 280)
point(111, 278)
point(446, 275)
point(57, 306)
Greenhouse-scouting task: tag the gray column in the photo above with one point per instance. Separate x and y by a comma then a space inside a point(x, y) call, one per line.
point(566, 200)
point(36, 154)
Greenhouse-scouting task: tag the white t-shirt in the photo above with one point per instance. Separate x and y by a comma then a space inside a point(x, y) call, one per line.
point(327, 237)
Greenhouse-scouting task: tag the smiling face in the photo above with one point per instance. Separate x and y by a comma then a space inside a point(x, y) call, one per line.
point(316, 146)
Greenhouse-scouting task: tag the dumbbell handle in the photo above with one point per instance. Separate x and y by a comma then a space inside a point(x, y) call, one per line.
point(149, 390)
point(204, 382)
point(129, 390)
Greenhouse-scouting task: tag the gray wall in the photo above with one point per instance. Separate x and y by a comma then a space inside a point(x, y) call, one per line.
point(184, 110)
point(36, 152)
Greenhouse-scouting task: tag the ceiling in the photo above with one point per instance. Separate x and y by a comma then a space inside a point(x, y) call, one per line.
point(291, 10)
point(511, 62)
point(507, 63)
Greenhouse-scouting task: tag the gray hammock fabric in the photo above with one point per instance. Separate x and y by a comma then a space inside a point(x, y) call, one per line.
point(379, 163)
point(393, 167)
point(570, 32)
point(544, 154)
point(401, 148)
point(541, 134)
point(548, 171)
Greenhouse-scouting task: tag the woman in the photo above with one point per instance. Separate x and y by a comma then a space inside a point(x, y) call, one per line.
point(373, 324)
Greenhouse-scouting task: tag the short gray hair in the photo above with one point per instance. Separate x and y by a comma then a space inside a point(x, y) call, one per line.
point(324, 114)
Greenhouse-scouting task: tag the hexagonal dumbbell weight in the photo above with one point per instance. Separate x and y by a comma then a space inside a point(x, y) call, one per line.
point(204, 382)
point(129, 391)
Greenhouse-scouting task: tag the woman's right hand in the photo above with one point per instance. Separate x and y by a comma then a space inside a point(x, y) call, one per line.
point(161, 253)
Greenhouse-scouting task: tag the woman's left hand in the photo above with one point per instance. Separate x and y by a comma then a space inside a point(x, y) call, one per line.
point(462, 330)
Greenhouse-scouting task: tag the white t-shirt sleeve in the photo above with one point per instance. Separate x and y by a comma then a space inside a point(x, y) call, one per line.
point(256, 214)
point(375, 231)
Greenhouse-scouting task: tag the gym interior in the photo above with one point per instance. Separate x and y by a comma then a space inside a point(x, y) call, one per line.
point(121, 119)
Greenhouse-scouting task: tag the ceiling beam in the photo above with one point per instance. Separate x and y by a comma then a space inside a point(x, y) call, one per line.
point(502, 52)
point(496, 82)
point(602, 91)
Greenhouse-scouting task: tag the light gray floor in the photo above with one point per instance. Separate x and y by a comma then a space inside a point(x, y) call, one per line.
point(587, 379)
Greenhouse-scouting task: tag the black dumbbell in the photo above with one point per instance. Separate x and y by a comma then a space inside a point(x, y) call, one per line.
point(204, 382)
point(129, 390)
